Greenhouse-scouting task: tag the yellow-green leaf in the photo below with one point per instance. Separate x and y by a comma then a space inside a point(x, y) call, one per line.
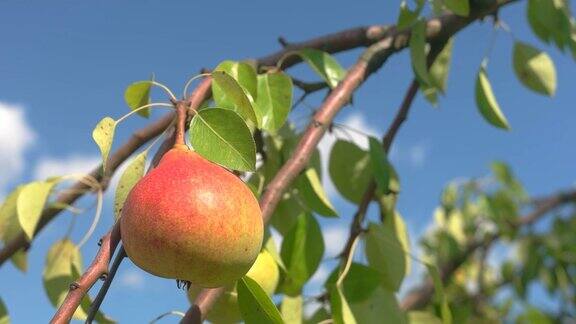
point(30, 205)
point(534, 68)
point(137, 95)
point(350, 170)
point(256, 306)
point(274, 100)
point(486, 102)
point(324, 64)
point(380, 307)
point(63, 263)
point(407, 16)
point(233, 96)
point(243, 73)
point(341, 313)
point(8, 213)
point(421, 317)
point(312, 192)
point(418, 52)
point(103, 135)
point(129, 178)
point(291, 309)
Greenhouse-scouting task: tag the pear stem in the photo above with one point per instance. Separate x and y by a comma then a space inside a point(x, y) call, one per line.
point(180, 124)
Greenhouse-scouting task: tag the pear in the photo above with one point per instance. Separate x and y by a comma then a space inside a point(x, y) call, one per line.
point(192, 220)
point(225, 310)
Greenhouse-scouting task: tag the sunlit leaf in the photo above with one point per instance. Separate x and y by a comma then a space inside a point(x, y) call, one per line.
point(20, 260)
point(418, 51)
point(324, 64)
point(233, 96)
point(312, 192)
point(534, 69)
point(302, 251)
point(350, 170)
point(270, 246)
point(274, 100)
point(137, 95)
point(341, 313)
point(243, 73)
point(438, 74)
point(8, 213)
point(30, 205)
point(63, 263)
point(221, 136)
point(459, 7)
point(255, 305)
point(131, 175)
point(103, 135)
point(486, 102)
point(291, 309)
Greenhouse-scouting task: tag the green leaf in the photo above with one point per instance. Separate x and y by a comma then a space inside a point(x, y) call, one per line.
point(291, 309)
point(341, 313)
point(233, 96)
point(421, 317)
point(129, 178)
point(4, 318)
point(350, 170)
point(440, 294)
point(302, 250)
point(274, 100)
point(20, 260)
point(63, 264)
point(221, 136)
point(459, 7)
point(137, 95)
point(8, 213)
point(30, 205)
point(359, 283)
point(270, 246)
point(408, 16)
point(380, 307)
point(486, 102)
point(418, 52)
point(286, 213)
point(103, 135)
point(255, 305)
point(324, 64)
point(439, 74)
point(311, 191)
point(534, 69)
point(243, 73)
point(380, 165)
point(385, 251)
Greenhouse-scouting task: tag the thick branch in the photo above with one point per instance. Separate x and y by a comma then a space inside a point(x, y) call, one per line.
point(420, 297)
point(438, 29)
point(97, 269)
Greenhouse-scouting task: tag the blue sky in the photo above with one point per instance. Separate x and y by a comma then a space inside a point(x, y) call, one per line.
point(63, 67)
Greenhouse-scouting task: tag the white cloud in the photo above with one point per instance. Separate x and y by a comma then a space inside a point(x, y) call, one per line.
point(414, 155)
point(16, 136)
point(334, 239)
point(132, 278)
point(74, 164)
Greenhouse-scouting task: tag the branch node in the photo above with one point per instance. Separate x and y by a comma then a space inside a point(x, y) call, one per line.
point(74, 286)
point(283, 41)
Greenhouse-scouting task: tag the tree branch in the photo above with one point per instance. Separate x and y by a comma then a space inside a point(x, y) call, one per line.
point(420, 297)
point(438, 29)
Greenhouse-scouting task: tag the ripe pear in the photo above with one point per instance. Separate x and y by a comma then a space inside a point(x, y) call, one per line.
point(192, 220)
point(264, 271)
